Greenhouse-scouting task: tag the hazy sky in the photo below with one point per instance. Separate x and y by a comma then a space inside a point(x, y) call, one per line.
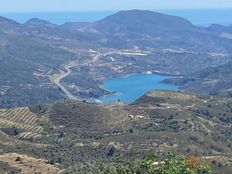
point(106, 5)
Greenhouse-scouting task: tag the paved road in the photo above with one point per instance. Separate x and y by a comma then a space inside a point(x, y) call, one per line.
point(57, 80)
point(62, 76)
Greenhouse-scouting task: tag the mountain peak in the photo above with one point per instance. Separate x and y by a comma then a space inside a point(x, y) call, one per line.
point(37, 22)
point(140, 21)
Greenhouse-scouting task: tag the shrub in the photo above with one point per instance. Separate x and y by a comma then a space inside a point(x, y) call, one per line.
point(150, 164)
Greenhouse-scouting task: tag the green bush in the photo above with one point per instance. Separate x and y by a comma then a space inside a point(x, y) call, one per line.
point(168, 164)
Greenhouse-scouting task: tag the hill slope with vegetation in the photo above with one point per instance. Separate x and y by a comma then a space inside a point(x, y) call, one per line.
point(76, 136)
point(34, 53)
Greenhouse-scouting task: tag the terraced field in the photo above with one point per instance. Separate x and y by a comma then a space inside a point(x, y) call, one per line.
point(20, 123)
point(73, 134)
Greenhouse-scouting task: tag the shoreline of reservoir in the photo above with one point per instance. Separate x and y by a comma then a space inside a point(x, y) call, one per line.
point(130, 87)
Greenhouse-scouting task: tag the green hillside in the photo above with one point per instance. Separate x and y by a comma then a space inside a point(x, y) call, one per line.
point(76, 136)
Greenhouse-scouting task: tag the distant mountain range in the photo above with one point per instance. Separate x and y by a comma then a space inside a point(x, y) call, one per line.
point(72, 136)
point(177, 47)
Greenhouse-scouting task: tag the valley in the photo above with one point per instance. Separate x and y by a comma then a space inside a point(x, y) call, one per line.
point(35, 56)
point(52, 77)
point(57, 78)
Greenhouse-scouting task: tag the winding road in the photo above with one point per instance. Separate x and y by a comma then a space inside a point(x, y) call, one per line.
point(62, 76)
point(56, 79)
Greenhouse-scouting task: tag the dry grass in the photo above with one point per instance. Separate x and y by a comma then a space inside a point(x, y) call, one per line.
point(28, 165)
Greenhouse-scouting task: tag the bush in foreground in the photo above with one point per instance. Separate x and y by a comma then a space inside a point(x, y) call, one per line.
point(168, 164)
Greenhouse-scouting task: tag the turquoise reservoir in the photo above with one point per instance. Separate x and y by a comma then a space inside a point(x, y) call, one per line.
point(130, 88)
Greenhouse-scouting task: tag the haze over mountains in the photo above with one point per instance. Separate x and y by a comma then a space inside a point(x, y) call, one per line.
point(43, 64)
point(36, 50)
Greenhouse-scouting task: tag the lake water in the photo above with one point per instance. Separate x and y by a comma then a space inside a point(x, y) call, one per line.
point(131, 87)
point(202, 17)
